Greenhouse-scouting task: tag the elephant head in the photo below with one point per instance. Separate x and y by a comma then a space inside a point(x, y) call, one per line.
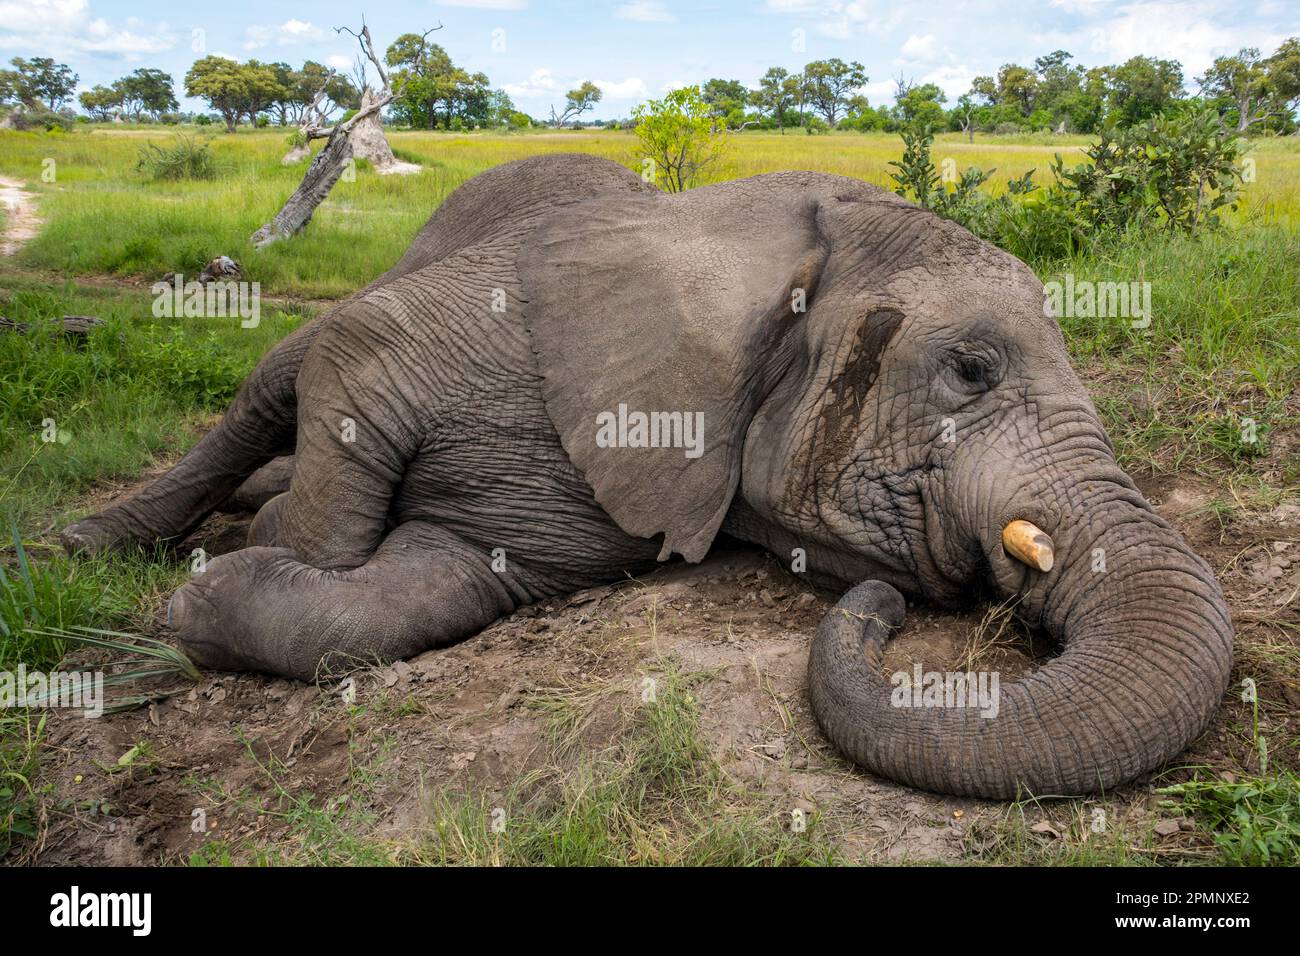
point(882, 390)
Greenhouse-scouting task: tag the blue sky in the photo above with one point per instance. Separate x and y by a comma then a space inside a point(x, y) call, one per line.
point(537, 49)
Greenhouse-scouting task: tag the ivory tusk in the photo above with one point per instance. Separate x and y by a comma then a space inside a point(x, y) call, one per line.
point(1029, 543)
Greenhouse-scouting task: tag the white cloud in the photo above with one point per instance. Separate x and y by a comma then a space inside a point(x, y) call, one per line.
point(543, 83)
point(1193, 33)
point(842, 19)
point(920, 48)
point(630, 89)
point(65, 27)
point(645, 11)
point(539, 83)
point(339, 62)
point(290, 33)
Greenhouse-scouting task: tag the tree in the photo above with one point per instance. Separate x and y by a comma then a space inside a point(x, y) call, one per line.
point(223, 83)
point(1141, 87)
point(776, 93)
point(38, 83)
point(360, 135)
point(577, 102)
point(828, 84)
point(678, 136)
point(1259, 89)
point(920, 106)
point(726, 100)
point(101, 102)
point(146, 91)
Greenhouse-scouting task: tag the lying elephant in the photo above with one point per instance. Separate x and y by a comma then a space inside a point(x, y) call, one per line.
point(571, 376)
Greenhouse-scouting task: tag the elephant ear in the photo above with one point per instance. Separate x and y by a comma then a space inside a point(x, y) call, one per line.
point(678, 305)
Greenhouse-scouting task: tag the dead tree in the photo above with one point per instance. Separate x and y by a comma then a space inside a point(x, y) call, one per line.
point(357, 136)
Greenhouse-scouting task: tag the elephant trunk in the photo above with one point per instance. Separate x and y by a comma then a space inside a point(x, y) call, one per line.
point(1147, 649)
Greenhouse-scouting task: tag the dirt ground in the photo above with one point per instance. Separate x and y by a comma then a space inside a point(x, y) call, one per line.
point(462, 719)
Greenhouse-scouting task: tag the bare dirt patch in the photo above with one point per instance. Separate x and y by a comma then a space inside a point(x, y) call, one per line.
point(21, 221)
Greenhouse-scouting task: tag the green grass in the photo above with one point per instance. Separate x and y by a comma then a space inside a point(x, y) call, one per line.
point(136, 389)
point(1223, 346)
point(105, 217)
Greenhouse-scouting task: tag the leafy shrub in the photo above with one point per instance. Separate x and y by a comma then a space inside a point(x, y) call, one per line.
point(186, 158)
point(1173, 172)
point(1177, 171)
point(203, 119)
point(198, 371)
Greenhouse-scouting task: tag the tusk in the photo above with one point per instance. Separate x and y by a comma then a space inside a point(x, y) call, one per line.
point(1030, 544)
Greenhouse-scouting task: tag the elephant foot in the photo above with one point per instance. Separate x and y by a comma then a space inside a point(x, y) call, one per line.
point(100, 534)
point(209, 616)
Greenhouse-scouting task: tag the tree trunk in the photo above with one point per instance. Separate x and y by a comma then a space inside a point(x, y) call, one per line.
point(322, 174)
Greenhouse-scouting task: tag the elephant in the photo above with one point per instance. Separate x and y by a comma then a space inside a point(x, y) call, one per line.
point(572, 376)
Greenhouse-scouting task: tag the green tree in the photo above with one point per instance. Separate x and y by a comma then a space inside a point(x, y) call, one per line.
point(223, 83)
point(577, 102)
point(777, 92)
point(38, 83)
point(678, 137)
point(1259, 89)
point(100, 102)
point(146, 91)
point(828, 84)
point(920, 106)
point(1141, 87)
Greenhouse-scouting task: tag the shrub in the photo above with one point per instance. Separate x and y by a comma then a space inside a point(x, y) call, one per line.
point(1172, 172)
point(678, 137)
point(186, 158)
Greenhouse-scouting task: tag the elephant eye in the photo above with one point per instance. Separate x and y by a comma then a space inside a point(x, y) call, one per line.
point(975, 371)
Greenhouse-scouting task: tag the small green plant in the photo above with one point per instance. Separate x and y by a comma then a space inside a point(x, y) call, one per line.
point(678, 137)
point(186, 158)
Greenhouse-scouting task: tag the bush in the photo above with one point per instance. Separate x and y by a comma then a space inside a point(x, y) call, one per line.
point(186, 158)
point(203, 119)
point(1174, 173)
point(262, 122)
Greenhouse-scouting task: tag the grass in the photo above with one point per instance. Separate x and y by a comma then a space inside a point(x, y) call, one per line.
point(655, 796)
point(104, 217)
point(138, 388)
point(1219, 362)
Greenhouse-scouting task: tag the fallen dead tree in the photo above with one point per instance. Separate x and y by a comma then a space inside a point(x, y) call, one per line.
point(360, 136)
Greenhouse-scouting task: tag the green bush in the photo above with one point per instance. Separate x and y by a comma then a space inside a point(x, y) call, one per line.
point(1173, 173)
point(186, 158)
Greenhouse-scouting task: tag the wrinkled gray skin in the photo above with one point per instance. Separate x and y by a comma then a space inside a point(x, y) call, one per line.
point(475, 430)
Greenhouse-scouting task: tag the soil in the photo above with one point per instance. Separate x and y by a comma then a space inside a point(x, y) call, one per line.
point(21, 221)
point(459, 720)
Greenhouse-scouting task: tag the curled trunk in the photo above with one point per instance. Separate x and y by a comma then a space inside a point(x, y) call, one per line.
point(1147, 648)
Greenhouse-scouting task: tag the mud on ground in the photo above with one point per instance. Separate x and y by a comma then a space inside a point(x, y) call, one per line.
point(466, 719)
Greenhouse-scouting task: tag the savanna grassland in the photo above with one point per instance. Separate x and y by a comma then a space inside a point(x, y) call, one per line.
point(1203, 407)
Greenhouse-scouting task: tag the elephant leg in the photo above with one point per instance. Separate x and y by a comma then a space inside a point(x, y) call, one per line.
point(263, 609)
point(261, 486)
point(265, 529)
point(259, 425)
point(358, 430)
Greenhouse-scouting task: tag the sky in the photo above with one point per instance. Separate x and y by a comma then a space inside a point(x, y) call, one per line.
point(635, 49)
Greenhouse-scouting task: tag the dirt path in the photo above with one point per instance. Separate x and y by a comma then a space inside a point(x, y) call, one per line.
point(21, 221)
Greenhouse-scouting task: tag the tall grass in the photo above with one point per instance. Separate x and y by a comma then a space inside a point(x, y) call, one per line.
point(104, 217)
